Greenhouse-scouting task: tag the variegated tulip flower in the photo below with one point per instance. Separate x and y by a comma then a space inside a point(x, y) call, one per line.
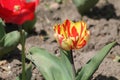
point(70, 35)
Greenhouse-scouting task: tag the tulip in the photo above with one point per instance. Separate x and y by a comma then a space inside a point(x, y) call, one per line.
point(70, 35)
point(17, 11)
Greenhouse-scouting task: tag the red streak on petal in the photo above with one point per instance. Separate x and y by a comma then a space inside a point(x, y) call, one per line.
point(61, 40)
point(67, 24)
point(64, 26)
point(74, 43)
point(83, 43)
point(74, 32)
point(58, 29)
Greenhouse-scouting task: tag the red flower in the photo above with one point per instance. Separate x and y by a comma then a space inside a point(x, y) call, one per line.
point(17, 11)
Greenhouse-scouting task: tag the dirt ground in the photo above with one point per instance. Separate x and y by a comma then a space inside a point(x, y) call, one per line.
point(104, 25)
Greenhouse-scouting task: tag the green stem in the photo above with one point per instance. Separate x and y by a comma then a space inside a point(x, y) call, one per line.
point(23, 53)
point(72, 62)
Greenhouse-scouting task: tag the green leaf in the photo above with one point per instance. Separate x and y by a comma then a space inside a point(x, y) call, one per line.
point(93, 64)
point(9, 42)
point(65, 58)
point(58, 1)
point(28, 71)
point(50, 66)
point(2, 30)
point(85, 5)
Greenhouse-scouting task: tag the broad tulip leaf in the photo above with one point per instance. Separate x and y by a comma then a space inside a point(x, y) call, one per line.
point(2, 30)
point(93, 64)
point(65, 58)
point(50, 66)
point(9, 42)
point(28, 71)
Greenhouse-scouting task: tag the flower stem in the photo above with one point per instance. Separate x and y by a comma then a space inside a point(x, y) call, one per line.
point(72, 62)
point(23, 53)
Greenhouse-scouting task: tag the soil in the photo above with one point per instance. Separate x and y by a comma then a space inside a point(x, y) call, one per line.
point(103, 22)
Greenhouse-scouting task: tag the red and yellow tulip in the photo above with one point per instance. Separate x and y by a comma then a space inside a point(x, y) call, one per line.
point(70, 35)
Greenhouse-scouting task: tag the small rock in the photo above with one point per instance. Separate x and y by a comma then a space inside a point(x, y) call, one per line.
point(54, 6)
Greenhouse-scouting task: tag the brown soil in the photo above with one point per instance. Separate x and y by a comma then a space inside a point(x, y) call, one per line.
point(103, 22)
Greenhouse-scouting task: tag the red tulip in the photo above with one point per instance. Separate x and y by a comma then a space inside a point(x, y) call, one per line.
point(17, 11)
